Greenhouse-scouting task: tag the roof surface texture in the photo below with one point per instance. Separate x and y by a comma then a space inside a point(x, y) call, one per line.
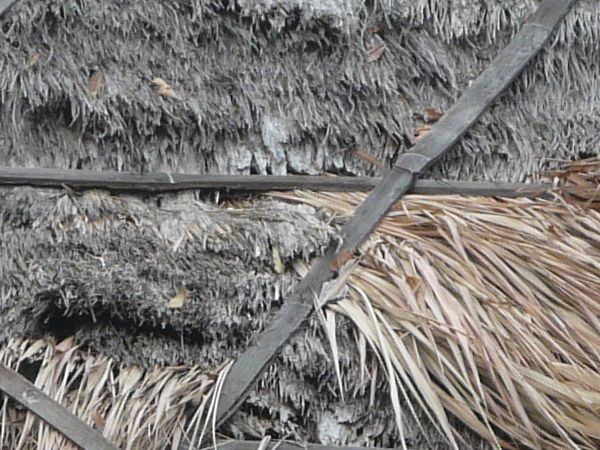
point(285, 86)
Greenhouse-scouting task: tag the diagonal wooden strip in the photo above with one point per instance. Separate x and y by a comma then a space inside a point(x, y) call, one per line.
point(503, 70)
point(483, 91)
point(24, 392)
point(5, 5)
point(168, 182)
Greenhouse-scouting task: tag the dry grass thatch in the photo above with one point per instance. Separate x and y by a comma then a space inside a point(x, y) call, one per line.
point(132, 407)
point(580, 183)
point(280, 86)
point(487, 310)
point(104, 269)
point(479, 311)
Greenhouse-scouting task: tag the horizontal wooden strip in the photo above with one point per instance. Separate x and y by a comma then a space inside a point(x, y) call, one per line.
point(167, 182)
point(23, 391)
point(254, 445)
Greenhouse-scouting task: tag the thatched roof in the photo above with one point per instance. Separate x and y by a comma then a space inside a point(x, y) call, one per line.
point(485, 309)
point(104, 268)
point(284, 86)
point(462, 311)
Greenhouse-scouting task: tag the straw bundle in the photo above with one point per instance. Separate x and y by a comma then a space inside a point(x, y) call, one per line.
point(580, 183)
point(104, 269)
point(133, 408)
point(285, 86)
point(486, 310)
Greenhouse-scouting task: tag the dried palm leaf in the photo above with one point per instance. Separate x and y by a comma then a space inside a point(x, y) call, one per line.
point(133, 408)
point(487, 309)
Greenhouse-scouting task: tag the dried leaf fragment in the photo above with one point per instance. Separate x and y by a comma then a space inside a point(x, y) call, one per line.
point(413, 282)
point(366, 156)
point(421, 131)
point(374, 29)
point(65, 345)
point(374, 53)
point(96, 83)
point(130, 377)
point(339, 261)
point(98, 420)
point(432, 115)
point(179, 300)
point(277, 262)
point(162, 88)
point(35, 57)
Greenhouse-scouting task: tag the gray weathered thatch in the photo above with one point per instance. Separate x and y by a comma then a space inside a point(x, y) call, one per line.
point(103, 269)
point(281, 86)
point(266, 86)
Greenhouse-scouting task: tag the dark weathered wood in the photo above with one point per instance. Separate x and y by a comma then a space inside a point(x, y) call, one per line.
point(253, 445)
point(482, 189)
point(20, 389)
point(5, 6)
point(163, 182)
point(511, 61)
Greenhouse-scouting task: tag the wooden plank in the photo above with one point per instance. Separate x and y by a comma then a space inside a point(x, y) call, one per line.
point(482, 189)
point(253, 445)
point(503, 70)
point(20, 389)
point(5, 5)
point(167, 182)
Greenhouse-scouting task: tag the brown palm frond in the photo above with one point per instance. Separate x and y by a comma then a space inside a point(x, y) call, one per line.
point(487, 309)
point(580, 182)
point(133, 408)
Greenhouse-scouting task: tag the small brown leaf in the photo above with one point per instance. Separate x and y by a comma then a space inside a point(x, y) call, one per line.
point(96, 83)
point(365, 156)
point(98, 420)
point(341, 259)
point(35, 57)
point(432, 115)
point(277, 262)
point(162, 88)
point(421, 131)
point(374, 29)
point(179, 300)
point(374, 53)
point(413, 282)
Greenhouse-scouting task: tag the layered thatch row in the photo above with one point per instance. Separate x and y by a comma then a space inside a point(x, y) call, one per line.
point(132, 407)
point(284, 86)
point(487, 310)
point(462, 311)
point(103, 269)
